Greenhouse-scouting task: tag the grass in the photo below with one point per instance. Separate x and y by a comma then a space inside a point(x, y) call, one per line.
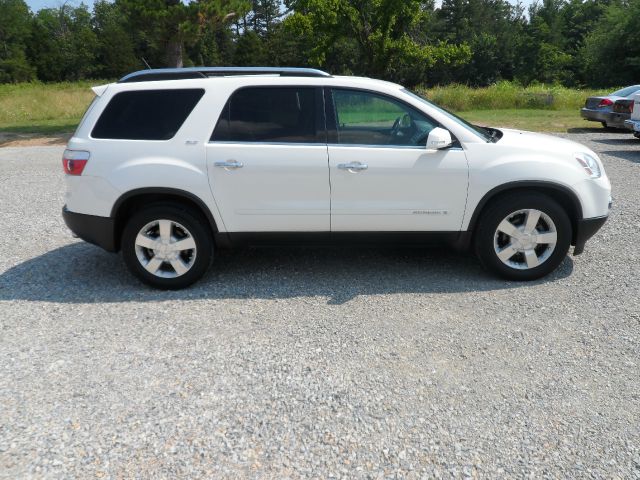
point(530, 119)
point(49, 109)
point(43, 108)
point(508, 95)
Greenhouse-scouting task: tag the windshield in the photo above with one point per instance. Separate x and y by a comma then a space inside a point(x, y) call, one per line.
point(461, 121)
point(625, 92)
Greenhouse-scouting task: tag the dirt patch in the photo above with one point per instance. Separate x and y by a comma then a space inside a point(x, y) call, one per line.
point(33, 139)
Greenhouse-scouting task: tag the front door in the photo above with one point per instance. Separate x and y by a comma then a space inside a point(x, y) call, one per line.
point(268, 161)
point(382, 176)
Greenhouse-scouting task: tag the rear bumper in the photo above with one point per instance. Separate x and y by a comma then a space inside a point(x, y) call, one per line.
point(93, 229)
point(595, 115)
point(586, 229)
point(617, 120)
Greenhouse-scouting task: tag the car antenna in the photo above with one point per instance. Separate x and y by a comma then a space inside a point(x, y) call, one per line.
point(145, 62)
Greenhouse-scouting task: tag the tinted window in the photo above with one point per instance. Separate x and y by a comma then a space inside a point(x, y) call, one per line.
point(287, 115)
point(146, 114)
point(365, 118)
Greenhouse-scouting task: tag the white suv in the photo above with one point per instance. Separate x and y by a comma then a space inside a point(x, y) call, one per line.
point(169, 165)
point(633, 123)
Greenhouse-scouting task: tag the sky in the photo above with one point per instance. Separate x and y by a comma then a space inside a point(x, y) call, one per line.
point(38, 4)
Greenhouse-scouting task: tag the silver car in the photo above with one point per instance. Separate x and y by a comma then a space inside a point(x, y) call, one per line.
point(601, 109)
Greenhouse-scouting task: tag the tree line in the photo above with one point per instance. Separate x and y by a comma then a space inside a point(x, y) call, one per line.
point(591, 43)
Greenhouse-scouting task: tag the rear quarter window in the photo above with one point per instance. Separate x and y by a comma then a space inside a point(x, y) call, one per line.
point(146, 114)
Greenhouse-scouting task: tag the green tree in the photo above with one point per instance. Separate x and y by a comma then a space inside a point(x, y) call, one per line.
point(62, 45)
point(115, 48)
point(383, 34)
point(493, 31)
point(15, 28)
point(555, 36)
point(263, 16)
point(250, 49)
point(611, 53)
point(166, 28)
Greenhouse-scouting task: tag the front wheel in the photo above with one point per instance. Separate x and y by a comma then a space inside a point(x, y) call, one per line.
point(523, 236)
point(167, 246)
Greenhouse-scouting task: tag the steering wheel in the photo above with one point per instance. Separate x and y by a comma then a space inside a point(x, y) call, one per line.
point(402, 127)
point(396, 127)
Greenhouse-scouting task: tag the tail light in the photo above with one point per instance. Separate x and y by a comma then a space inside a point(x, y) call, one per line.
point(605, 102)
point(74, 161)
point(623, 106)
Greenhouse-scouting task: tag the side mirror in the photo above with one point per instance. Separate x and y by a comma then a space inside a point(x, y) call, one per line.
point(438, 139)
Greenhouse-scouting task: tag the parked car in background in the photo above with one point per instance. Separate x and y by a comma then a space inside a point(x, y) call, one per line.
point(601, 109)
point(633, 123)
point(622, 110)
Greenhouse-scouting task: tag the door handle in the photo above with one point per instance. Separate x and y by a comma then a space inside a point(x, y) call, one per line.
point(229, 165)
point(353, 167)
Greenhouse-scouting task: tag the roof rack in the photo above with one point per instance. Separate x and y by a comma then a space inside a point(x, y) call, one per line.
point(157, 74)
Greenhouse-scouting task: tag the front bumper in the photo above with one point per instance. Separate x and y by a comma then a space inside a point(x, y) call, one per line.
point(586, 229)
point(93, 229)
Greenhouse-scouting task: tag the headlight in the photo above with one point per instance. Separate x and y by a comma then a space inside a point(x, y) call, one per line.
point(589, 163)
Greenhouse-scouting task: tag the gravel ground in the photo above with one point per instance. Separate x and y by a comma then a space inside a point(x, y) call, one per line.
point(320, 363)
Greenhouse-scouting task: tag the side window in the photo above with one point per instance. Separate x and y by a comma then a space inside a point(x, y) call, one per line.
point(264, 114)
point(365, 118)
point(146, 114)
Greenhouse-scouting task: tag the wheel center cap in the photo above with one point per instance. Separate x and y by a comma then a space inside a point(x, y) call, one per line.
point(163, 250)
point(527, 241)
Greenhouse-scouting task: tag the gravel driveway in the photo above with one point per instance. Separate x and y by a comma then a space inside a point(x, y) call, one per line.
point(326, 362)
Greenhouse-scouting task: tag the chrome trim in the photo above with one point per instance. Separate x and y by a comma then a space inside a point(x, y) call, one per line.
point(231, 164)
point(350, 145)
point(353, 167)
point(275, 144)
point(400, 147)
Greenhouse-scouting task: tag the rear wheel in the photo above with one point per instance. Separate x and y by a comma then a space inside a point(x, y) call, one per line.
point(167, 246)
point(523, 236)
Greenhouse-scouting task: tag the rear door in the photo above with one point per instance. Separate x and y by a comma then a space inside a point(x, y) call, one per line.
point(268, 161)
point(382, 176)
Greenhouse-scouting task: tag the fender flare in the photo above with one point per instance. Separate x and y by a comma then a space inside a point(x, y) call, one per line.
point(530, 184)
point(175, 192)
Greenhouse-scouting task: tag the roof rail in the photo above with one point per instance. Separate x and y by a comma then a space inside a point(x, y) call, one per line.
point(156, 74)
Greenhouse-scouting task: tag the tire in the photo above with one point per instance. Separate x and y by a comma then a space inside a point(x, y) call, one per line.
point(151, 250)
point(604, 124)
point(530, 250)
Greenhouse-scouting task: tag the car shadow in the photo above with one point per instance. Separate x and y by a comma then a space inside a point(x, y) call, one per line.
point(598, 129)
point(82, 273)
point(628, 155)
point(630, 140)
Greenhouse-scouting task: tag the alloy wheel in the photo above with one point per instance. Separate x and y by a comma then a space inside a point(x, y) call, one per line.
point(525, 239)
point(165, 248)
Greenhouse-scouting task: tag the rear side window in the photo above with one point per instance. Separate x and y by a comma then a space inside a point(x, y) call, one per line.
point(146, 114)
point(279, 115)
